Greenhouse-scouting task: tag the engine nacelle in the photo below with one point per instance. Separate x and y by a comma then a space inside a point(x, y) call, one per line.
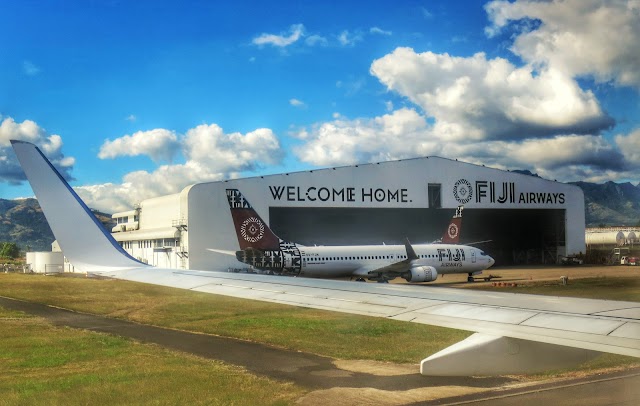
point(421, 274)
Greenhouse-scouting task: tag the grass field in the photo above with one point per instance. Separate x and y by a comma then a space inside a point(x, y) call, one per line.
point(332, 334)
point(45, 362)
point(618, 288)
point(46, 365)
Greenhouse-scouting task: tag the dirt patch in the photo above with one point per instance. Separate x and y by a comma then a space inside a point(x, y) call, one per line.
point(376, 368)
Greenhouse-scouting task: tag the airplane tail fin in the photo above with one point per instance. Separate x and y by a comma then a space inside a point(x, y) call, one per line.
point(251, 230)
point(452, 234)
point(82, 238)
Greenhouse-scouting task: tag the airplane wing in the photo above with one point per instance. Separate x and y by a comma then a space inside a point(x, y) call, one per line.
point(225, 252)
point(513, 333)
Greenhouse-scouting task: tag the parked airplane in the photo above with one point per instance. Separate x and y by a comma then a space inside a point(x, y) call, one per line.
point(263, 250)
point(513, 333)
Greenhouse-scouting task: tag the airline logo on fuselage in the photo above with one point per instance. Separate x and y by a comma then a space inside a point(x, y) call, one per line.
point(252, 229)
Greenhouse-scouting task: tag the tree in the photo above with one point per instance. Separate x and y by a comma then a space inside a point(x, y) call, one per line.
point(9, 250)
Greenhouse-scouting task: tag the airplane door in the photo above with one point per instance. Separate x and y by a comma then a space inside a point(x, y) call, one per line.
point(473, 256)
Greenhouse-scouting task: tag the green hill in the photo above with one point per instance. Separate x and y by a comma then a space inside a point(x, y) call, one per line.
point(22, 221)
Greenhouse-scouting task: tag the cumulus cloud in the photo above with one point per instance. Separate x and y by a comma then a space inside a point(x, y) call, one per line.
point(482, 98)
point(400, 134)
point(50, 145)
point(210, 154)
point(209, 146)
point(577, 37)
point(630, 147)
point(159, 144)
point(533, 115)
point(405, 133)
point(296, 31)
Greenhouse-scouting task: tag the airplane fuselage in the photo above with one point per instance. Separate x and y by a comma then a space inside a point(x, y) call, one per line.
point(346, 261)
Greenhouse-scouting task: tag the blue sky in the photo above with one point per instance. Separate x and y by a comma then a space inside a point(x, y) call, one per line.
point(139, 99)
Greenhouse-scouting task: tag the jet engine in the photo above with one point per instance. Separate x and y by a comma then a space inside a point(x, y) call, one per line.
point(421, 274)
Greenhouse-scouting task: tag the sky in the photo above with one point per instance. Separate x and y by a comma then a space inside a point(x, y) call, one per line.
point(132, 100)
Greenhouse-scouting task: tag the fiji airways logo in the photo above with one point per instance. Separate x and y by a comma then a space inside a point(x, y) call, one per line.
point(463, 192)
point(453, 230)
point(252, 229)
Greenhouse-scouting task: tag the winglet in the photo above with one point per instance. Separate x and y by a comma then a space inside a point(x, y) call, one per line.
point(411, 253)
point(83, 239)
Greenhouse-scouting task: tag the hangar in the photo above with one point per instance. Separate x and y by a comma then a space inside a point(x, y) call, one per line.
point(525, 219)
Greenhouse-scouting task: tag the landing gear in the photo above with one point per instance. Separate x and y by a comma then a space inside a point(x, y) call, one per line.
point(360, 280)
point(470, 278)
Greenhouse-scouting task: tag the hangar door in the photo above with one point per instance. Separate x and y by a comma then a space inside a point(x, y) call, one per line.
point(517, 236)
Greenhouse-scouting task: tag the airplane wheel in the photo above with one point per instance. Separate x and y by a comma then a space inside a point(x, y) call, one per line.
point(470, 279)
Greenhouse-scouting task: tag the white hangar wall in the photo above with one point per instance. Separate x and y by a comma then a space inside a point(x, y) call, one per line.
point(529, 219)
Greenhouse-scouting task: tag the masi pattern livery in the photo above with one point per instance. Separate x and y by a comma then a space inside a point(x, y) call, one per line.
point(263, 250)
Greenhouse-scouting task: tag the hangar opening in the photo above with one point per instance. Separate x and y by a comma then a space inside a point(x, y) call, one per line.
point(515, 237)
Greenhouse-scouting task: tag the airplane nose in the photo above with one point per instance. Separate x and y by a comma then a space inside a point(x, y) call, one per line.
point(491, 261)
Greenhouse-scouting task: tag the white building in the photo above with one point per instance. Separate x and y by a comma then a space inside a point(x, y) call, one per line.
point(527, 219)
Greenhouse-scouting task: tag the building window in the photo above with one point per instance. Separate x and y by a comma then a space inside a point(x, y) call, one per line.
point(434, 195)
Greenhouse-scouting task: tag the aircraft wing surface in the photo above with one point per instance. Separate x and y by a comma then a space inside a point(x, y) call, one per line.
point(598, 325)
point(514, 333)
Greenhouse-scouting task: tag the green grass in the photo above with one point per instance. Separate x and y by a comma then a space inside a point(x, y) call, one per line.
point(326, 333)
point(332, 334)
point(46, 365)
point(619, 288)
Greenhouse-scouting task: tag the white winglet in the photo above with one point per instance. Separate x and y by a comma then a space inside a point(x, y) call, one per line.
point(82, 238)
point(483, 354)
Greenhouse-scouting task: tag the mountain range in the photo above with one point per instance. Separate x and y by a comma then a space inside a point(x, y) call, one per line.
point(611, 204)
point(22, 221)
point(607, 204)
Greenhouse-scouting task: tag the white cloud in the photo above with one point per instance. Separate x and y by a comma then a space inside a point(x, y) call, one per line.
point(577, 37)
point(131, 118)
point(346, 38)
point(296, 31)
point(159, 144)
point(484, 99)
point(50, 145)
point(209, 146)
point(405, 133)
point(315, 39)
point(378, 30)
point(400, 134)
point(297, 103)
point(630, 147)
point(210, 155)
